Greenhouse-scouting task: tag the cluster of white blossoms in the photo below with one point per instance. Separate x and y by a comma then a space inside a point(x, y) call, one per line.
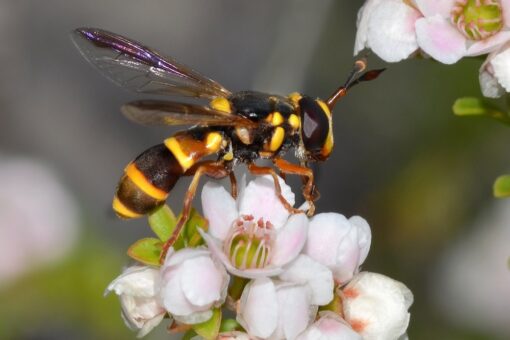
point(446, 30)
point(285, 276)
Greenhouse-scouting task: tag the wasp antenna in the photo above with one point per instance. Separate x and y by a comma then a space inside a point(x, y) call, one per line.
point(359, 66)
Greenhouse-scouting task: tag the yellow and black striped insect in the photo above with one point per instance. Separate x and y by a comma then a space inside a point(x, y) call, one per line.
point(238, 127)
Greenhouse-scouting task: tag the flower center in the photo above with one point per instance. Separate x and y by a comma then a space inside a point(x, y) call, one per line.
point(249, 244)
point(477, 19)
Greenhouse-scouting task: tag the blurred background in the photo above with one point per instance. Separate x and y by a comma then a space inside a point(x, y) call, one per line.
point(421, 176)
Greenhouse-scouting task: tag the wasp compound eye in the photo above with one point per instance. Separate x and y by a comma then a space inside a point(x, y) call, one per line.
point(314, 125)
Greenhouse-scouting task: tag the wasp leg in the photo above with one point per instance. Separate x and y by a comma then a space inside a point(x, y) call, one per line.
point(233, 184)
point(210, 168)
point(263, 170)
point(309, 192)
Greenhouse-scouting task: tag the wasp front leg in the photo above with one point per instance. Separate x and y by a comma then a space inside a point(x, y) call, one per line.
point(212, 169)
point(310, 193)
point(263, 170)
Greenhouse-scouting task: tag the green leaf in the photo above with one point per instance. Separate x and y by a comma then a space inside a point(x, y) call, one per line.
point(194, 222)
point(146, 250)
point(502, 186)
point(162, 222)
point(210, 329)
point(230, 325)
point(471, 106)
point(190, 334)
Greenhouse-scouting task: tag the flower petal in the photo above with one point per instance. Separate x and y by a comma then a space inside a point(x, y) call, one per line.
point(175, 258)
point(137, 281)
point(330, 326)
point(150, 324)
point(194, 318)
point(440, 39)
point(500, 63)
point(325, 232)
point(364, 236)
point(258, 308)
point(293, 311)
point(362, 24)
point(290, 240)
point(316, 276)
point(391, 33)
point(505, 7)
point(172, 296)
point(206, 290)
point(433, 7)
point(376, 306)
point(259, 199)
point(488, 45)
point(217, 251)
point(219, 208)
point(489, 84)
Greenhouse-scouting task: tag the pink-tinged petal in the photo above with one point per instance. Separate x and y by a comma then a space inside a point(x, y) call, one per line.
point(489, 84)
point(348, 256)
point(362, 24)
point(290, 240)
point(500, 63)
point(172, 296)
point(488, 45)
point(330, 326)
point(325, 233)
point(175, 258)
point(440, 39)
point(293, 311)
point(316, 276)
point(259, 199)
point(505, 7)
point(219, 208)
point(139, 281)
point(364, 237)
point(217, 251)
point(206, 290)
point(376, 306)
point(433, 7)
point(258, 308)
point(391, 33)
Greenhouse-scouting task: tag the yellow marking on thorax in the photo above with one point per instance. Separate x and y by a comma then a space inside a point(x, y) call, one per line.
point(221, 104)
point(277, 138)
point(143, 183)
point(275, 118)
point(213, 141)
point(228, 156)
point(294, 121)
point(294, 97)
point(186, 161)
point(122, 210)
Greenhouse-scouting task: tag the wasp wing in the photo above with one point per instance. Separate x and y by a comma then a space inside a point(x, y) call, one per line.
point(157, 112)
point(141, 69)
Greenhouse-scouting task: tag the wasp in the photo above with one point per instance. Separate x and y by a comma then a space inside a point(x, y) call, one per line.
point(236, 127)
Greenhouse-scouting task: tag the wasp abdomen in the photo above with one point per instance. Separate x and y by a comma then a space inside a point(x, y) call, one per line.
point(146, 182)
point(148, 179)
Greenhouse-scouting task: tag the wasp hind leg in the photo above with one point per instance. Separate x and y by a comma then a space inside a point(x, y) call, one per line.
point(263, 170)
point(212, 169)
point(310, 193)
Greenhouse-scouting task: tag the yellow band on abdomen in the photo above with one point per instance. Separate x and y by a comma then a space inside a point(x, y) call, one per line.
point(122, 210)
point(186, 161)
point(143, 183)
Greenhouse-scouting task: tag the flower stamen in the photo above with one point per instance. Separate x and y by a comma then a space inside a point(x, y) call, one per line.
point(477, 19)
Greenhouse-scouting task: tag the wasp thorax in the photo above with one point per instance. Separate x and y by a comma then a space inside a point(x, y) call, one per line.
point(249, 244)
point(478, 19)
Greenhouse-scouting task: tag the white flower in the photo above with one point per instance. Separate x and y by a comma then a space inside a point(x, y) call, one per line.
point(495, 73)
point(387, 28)
point(254, 236)
point(446, 30)
point(339, 243)
point(192, 283)
point(376, 306)
point(137, 291)
point(330, 326)
point(275, 310)
point(234, 336)
point(39, 220)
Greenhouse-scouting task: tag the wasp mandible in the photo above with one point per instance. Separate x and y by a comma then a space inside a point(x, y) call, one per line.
point(238, 127)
